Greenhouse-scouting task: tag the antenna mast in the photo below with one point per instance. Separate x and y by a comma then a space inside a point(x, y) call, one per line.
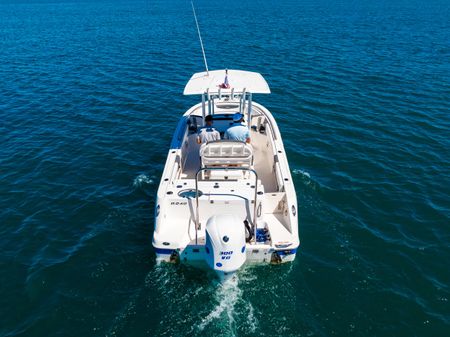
point(200, 37)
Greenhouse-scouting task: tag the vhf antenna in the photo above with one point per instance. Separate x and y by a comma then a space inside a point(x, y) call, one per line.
point(200, 37)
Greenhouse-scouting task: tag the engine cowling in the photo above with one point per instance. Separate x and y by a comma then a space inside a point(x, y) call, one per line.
point(225, 243)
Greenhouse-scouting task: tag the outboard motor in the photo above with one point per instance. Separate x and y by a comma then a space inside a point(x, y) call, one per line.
point(225, 244)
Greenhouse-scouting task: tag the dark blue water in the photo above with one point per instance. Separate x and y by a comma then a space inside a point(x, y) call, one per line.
point(90, 93)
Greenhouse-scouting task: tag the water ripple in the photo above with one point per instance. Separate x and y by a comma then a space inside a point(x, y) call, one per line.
point(90, 95)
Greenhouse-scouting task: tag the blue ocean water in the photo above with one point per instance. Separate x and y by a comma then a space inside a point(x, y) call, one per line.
point(90, 93)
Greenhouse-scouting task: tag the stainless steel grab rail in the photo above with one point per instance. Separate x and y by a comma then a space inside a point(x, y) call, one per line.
point(197, 217)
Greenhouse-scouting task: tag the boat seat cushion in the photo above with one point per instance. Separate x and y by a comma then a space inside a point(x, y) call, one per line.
point(225, 153)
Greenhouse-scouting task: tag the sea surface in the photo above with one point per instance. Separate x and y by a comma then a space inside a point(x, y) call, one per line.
point(90, 94)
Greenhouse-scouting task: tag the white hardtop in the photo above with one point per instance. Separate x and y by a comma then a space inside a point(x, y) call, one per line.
point(239, 80)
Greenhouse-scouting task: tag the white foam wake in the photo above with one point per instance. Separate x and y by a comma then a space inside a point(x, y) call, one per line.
point(230, 309)
point(302, 173)
point(142, 180)
point(226, 295)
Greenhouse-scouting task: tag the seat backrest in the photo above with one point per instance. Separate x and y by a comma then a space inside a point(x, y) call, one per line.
point(226, 153)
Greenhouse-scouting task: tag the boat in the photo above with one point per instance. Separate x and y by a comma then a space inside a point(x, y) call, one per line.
point(226, 203)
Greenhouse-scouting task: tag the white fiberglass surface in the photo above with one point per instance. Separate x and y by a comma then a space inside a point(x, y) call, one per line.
point(263, 158)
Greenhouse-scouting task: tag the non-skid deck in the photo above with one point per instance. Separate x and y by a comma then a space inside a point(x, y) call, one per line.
point(262, 153)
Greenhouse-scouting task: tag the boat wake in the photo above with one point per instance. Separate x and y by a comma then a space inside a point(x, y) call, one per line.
point(226, 296)
point(200, 302)
point(142, 180)
point(305, 179)
point(229, 307)
point(200, 305)
point(301, 173)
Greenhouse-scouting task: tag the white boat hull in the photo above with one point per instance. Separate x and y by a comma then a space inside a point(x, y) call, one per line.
point(251, 182)
point(259, 255)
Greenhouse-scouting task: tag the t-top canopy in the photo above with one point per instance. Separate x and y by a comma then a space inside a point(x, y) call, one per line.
point(236, 79)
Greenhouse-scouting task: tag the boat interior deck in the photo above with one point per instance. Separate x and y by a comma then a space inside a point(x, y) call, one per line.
point(262, 154)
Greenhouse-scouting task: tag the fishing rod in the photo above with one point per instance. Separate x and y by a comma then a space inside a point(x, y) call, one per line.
point(200, 37)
